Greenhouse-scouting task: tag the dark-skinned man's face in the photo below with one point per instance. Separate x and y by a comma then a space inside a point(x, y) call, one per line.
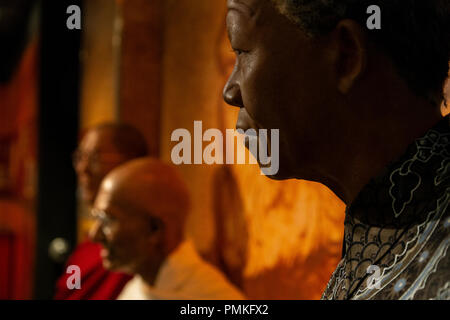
point(96, 156)
point(279, 81)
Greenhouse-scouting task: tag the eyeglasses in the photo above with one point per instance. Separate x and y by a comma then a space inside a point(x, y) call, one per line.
point(105, 220)
point(95, 159)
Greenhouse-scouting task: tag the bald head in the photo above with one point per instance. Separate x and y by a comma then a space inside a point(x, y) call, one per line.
point(148, 187)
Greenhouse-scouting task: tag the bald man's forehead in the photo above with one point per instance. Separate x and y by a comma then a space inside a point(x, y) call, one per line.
point(143, 193)
point(118, 202)
point(145, 184)
point(120, 188)
point(104, 196)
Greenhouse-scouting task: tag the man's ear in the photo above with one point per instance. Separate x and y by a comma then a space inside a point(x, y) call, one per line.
point(156, 231)
point(350, 54)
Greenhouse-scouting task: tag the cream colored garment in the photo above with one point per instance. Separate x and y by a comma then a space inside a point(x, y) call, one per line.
point(183, 276)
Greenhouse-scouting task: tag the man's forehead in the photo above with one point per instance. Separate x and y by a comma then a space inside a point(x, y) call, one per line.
point(98, 140)
point(243, 11)
point(104, 196)
point(245, 6)
point(111, 196)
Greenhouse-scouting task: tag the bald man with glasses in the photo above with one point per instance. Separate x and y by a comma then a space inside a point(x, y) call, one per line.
point(141, 209)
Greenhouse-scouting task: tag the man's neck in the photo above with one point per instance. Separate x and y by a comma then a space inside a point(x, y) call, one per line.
point(373, 147)
point(149, 271)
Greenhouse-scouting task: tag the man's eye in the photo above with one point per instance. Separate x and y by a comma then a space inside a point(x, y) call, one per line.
point(238, 52)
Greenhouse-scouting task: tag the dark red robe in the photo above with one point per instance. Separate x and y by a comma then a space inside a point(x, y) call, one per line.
point(96, 282)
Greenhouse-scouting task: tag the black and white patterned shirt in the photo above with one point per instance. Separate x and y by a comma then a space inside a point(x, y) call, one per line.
point(397, 231)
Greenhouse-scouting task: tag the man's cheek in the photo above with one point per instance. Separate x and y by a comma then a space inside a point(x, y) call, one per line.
point(125, 246)
point(253, 93)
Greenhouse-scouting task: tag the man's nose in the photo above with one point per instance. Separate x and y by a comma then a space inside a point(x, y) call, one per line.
point(232, 92)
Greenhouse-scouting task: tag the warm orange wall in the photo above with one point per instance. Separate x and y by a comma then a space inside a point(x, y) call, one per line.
point(121, 60)
point(100, 58)
point(140, 67)
point(191, 88)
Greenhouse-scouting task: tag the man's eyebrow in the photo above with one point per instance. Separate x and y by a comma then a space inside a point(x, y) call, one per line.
point(241, 6)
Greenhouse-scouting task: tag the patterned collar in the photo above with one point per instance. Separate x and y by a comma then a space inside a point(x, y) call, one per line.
point(397, 196)
point(394, 215)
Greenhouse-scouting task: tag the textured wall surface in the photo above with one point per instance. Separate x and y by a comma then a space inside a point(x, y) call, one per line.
point(99, 55)
point(191, 89)
point(140, 67)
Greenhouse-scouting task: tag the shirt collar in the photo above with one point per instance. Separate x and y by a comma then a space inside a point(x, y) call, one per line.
point(397, 196)
point(174, 272)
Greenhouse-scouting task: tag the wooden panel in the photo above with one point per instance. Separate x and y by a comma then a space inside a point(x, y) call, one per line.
point(140, 80)
point(99, 57)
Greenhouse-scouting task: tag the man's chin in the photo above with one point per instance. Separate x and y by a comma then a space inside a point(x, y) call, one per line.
point(108, 263)
point(278, 175)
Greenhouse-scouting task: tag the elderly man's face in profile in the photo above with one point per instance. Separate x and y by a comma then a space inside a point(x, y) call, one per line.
point(126, 236)
point(279, 81)
point(96, 156)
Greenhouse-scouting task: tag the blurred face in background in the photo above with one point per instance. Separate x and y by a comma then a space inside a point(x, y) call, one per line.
point(95, 157)
point(130, 237)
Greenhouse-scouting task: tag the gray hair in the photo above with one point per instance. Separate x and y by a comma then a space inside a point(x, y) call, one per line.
point(415, 34)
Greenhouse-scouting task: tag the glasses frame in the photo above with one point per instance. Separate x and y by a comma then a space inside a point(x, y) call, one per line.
point(105, 220)
point(95, 159)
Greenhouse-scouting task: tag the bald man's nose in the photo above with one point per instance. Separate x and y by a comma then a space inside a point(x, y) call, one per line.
point(232, 92)
point(96, 233)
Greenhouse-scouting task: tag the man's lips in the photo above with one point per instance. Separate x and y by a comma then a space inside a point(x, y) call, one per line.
point(248, 126)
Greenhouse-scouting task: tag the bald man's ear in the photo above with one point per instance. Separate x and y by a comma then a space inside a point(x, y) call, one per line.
point(349, 53)
point(156, 230)
point(156, 224)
